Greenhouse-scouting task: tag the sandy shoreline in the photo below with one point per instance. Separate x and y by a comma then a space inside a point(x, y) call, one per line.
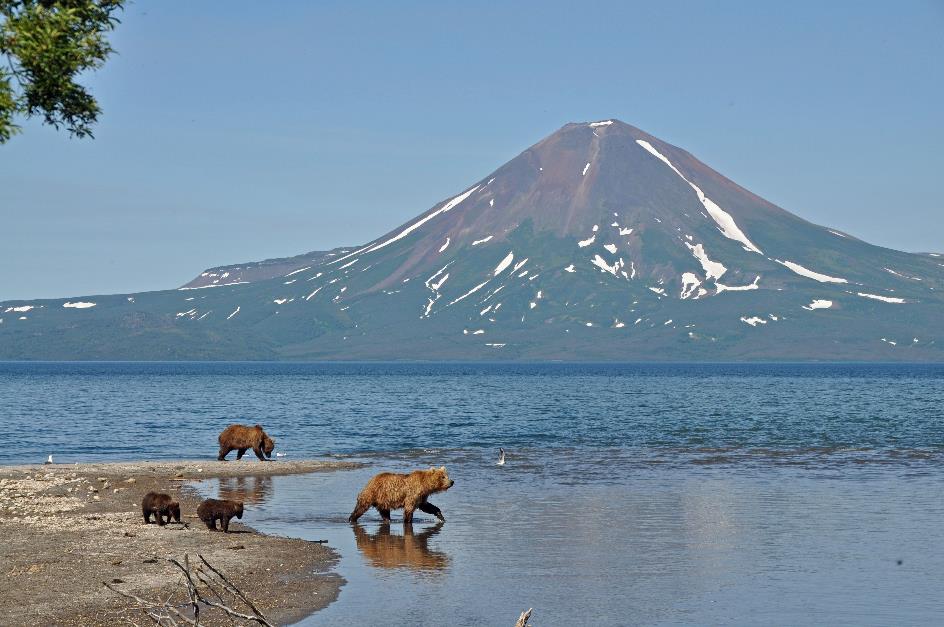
point(66, 528)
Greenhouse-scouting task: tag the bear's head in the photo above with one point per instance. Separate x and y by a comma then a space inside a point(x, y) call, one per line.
point(239, 510)
point(174, 509)
point(441, 479)
point(267, 445)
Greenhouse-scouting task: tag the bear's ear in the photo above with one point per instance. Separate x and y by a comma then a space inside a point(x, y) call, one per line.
point(442, 468)
point(258, 427)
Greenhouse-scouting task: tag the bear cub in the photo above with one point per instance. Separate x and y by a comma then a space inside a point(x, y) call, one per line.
point(212, 510)
point(388, 491)
point(160, 505)
point(241, 438)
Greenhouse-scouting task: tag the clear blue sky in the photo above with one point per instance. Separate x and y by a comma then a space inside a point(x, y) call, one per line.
point(236, 131)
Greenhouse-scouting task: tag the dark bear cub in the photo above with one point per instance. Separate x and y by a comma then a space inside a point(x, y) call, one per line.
point(212, 510)
point(241, 438)
point(160, 505)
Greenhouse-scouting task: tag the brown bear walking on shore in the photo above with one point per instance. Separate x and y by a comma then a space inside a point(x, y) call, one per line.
point(160, 505)
point(212, 510)
point(242, 438)
point(388, 491)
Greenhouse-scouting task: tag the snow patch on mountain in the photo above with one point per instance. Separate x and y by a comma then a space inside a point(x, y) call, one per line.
point(446, 207)
point(292, 272)
point(753, 320)
point(713, 269)
point(600, 262)
point(884, 299)
point(78, 305)
point(819, 304)
point(810, 274)
point(690, 283)
point(470, 292)
point(203, 287)
point(904, 276)
point(504, 263)
point(722, 218)
point(738, 288)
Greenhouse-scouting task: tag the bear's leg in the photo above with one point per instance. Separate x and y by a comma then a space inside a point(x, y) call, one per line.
point(224, 523)
point(407, 513)
point(211, 524)
point(258, 451)
point(160, 518)
point(384, 515)
point(429, 508)
point(224, 451)
point(147, 517)
point(240, 453)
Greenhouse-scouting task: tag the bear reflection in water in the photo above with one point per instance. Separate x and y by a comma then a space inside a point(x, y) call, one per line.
point(255, 490)
point(410, 550)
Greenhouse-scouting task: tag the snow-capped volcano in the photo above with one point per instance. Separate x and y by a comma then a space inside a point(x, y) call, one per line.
point(598, 242)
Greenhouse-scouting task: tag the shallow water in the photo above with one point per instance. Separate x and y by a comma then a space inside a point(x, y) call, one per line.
point(659, 545)
point(633, 494)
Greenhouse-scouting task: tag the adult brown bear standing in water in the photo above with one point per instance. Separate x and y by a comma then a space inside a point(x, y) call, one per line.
point(242, 438)
point(389, 490)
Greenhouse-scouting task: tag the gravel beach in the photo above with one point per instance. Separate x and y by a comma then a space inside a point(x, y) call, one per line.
point(69, 527)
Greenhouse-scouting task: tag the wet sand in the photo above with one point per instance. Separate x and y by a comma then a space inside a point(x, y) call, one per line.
point(67, 528)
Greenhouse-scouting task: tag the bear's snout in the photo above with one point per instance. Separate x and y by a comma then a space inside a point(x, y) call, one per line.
point(451, 483)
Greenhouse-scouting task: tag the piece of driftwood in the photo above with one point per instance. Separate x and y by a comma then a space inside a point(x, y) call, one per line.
point(206, 587)
point(524, 618)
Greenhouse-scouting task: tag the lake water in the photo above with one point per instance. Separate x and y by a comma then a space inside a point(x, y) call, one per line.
point(633, 494)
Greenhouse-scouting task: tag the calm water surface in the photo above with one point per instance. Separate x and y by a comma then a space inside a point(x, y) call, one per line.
point(710, 494)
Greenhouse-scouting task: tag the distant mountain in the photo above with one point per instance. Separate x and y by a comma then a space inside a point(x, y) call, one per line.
point(252, 271)
point(600, 242)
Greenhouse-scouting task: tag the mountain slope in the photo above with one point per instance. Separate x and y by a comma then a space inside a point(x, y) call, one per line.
point(598, 242)
point(252, 271)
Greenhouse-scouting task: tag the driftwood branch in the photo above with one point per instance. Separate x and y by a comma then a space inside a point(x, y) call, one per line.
point(150, 608)
point(228, 585)
point(201, 588)
point(524, 618)
point(191, 587)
